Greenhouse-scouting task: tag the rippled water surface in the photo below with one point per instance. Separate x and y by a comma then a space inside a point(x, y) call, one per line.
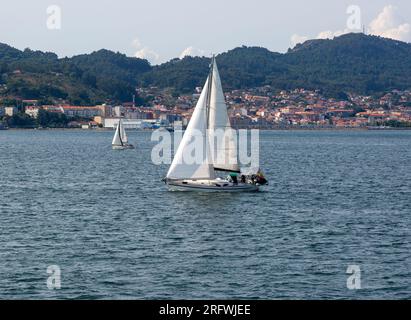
point(335, 199)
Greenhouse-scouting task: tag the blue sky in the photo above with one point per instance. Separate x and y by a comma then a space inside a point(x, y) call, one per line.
point(160, 30)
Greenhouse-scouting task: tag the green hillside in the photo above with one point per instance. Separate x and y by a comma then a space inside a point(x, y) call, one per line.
point(86, 79)
point(352, 63)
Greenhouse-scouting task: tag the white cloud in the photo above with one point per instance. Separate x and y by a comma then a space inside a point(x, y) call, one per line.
point(145, 52)
point(192, 52)
point(296, 39)
point(136, 44)
point(389, 24)
point(148, 54)
point(328, 34)
point(332, 34)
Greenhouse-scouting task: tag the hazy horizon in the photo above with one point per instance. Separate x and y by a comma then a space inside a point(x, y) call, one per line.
point(160, 30)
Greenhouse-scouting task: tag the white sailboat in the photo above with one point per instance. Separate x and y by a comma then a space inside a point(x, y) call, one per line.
point(210, 114)
point(120, 140)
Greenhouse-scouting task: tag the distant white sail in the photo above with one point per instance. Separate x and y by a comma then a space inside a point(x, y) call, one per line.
point(123, 133)
point(197, 129)
point(117, 141)
point(223, 140)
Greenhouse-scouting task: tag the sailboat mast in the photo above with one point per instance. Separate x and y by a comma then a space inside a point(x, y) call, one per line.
point(210, 86)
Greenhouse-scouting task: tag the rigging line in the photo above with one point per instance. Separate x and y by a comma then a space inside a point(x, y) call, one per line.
point(119, 133)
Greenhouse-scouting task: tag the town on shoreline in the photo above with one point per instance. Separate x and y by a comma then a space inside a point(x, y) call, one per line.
point(258, 108)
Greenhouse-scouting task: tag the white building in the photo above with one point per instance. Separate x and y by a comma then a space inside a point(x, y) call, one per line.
point(131, 124)
point(10, 111)
point(118, 111)
point(178, 125)
point(88, 112)
point(32, 111)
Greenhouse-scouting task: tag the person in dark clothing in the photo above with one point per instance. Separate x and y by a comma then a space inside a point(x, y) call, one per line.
point(260, 178)
point(234, 178)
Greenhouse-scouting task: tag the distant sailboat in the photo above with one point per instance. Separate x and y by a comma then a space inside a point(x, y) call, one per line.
point(209, 115)
point(120, 140)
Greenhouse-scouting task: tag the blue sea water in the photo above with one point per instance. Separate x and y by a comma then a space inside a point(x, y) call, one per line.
point(336, 198)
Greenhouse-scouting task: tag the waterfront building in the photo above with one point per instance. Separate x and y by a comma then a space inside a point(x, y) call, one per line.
point(99, 120)
point(32, 111)
point(30, 102)
point(131, 124)
point(54, 109)
point(118, 111)
point(106, 110)
point(10, 111)
point(84, 112)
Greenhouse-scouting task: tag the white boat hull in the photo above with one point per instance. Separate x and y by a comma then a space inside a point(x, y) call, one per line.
point(211, 186)
point(125, 147)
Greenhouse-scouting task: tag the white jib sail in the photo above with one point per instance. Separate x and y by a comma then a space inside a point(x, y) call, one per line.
point(117, 136)
point(183, 166)
point(123, 133)
point(223, 139)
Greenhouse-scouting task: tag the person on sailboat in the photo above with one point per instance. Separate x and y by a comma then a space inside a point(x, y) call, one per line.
point(259, 178)
point(234, 177)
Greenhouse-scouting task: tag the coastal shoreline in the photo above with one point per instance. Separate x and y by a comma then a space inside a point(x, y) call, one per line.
point(261, 129)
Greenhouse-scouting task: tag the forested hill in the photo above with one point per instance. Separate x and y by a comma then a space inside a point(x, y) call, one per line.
point(350, 63)
point(85, 79)
point(243, 67)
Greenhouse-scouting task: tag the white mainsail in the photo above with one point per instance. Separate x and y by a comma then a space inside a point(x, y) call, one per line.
point(210, 124)
point(222, 139)
point(117, 141)
point(196, 130)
